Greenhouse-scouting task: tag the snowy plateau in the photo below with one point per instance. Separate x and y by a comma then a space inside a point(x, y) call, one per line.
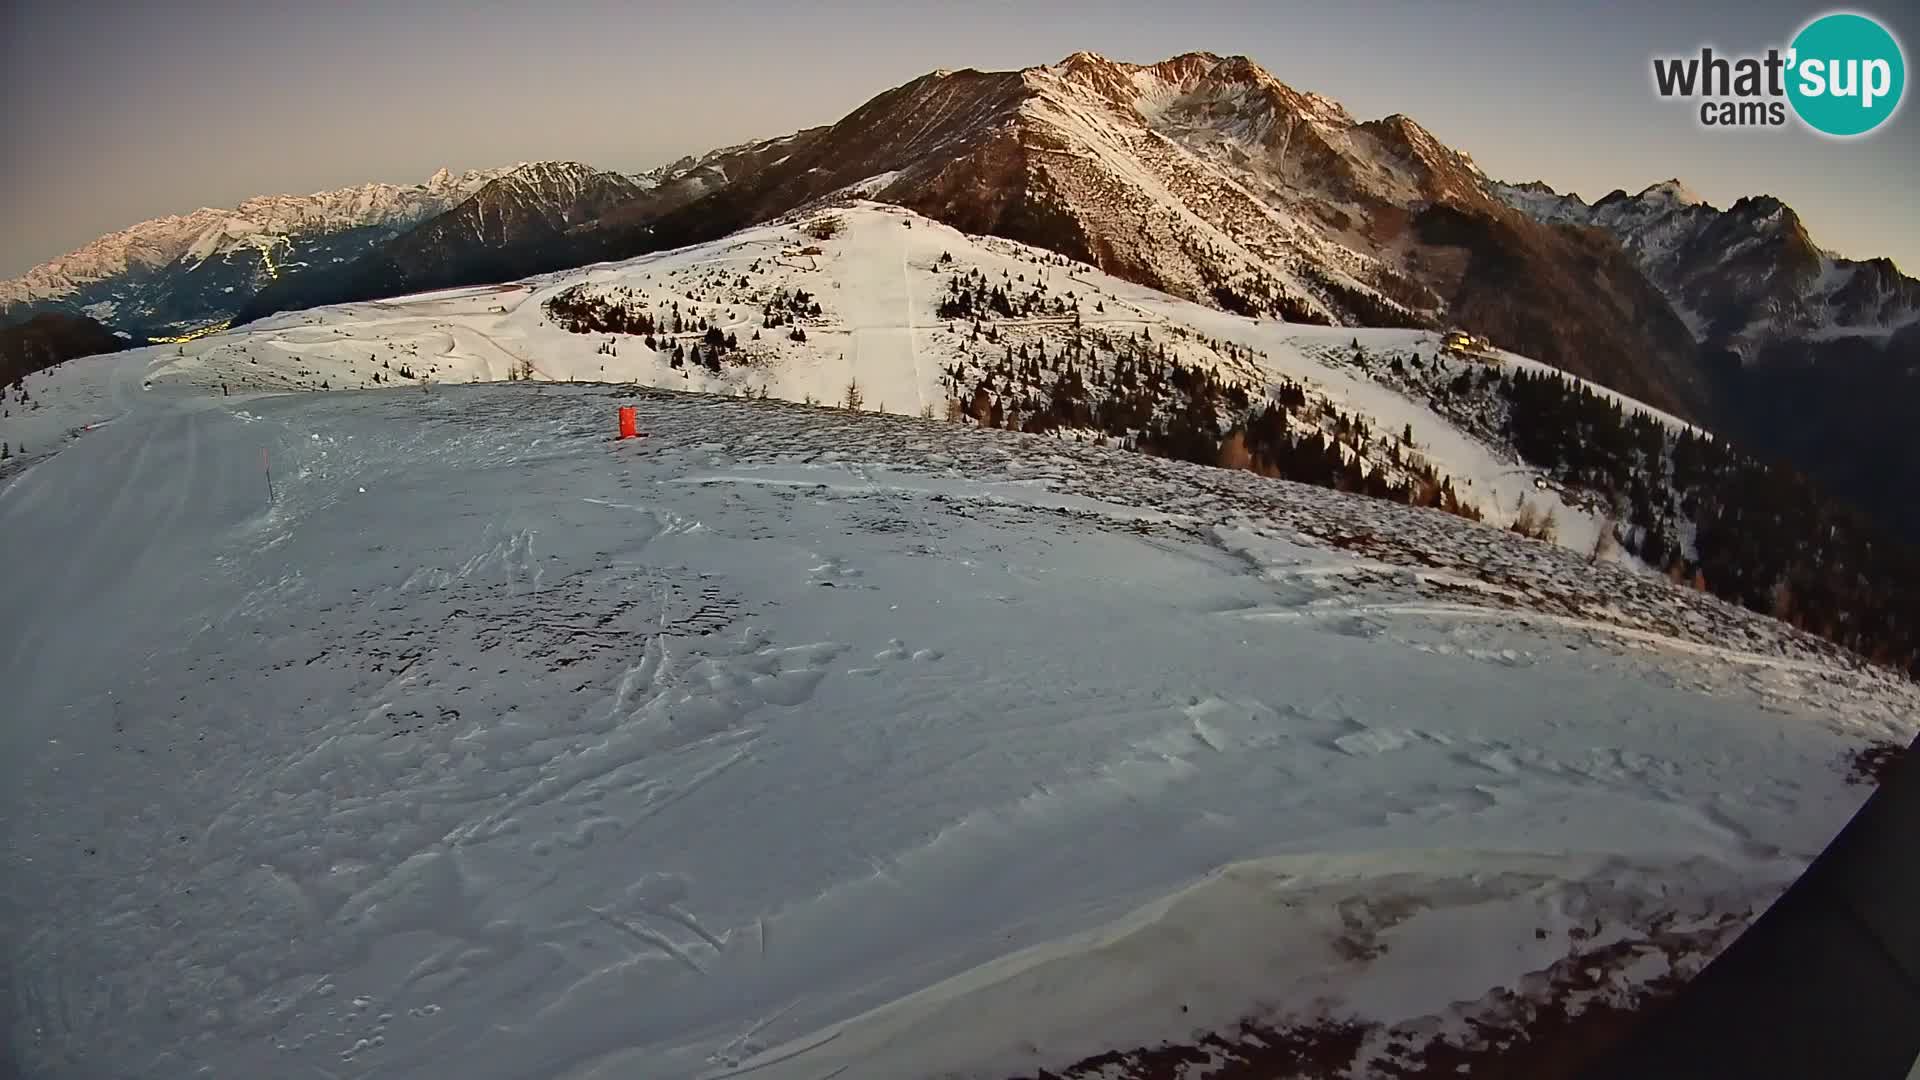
point(791, 741)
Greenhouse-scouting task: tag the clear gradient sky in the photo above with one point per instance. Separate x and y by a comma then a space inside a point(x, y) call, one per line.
point(119, 111)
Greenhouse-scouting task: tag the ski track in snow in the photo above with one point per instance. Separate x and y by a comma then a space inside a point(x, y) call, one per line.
point(879, 298)
point(494, 748)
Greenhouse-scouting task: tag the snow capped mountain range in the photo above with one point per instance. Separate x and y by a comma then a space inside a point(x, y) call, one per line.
point(1744, 278)
point(1810, 355)
point(534, 218)
point(695, 176)
point(559, 195)
point(195, 237)
point(559, 181)
point(1203, 176)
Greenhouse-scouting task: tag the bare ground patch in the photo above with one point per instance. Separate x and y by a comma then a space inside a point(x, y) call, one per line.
point(1556, 1023)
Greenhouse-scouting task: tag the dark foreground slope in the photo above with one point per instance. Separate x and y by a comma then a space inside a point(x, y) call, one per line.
point(51, 338)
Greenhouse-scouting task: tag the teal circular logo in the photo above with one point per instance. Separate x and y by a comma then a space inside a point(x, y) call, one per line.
point(1846, 75)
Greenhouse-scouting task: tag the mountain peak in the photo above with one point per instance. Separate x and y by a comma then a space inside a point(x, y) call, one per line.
point(1084, 58)
point(1204, 80)
point(533, 169)
point(1187, 67)
point(1407, 129)
point(1757, 205)
point(1235, 68)
point(1672, 191)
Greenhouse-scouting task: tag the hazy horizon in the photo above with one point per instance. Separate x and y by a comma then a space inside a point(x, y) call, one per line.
point(136, 112)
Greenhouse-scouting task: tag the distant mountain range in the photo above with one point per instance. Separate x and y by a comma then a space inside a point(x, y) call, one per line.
point(174, 274)
point(1202, 175)
point(1746, 278)
point(1812, 358)
point(532, 218)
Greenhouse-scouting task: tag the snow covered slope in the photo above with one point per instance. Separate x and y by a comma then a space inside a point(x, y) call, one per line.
point(492, 748)
point(878, 283)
